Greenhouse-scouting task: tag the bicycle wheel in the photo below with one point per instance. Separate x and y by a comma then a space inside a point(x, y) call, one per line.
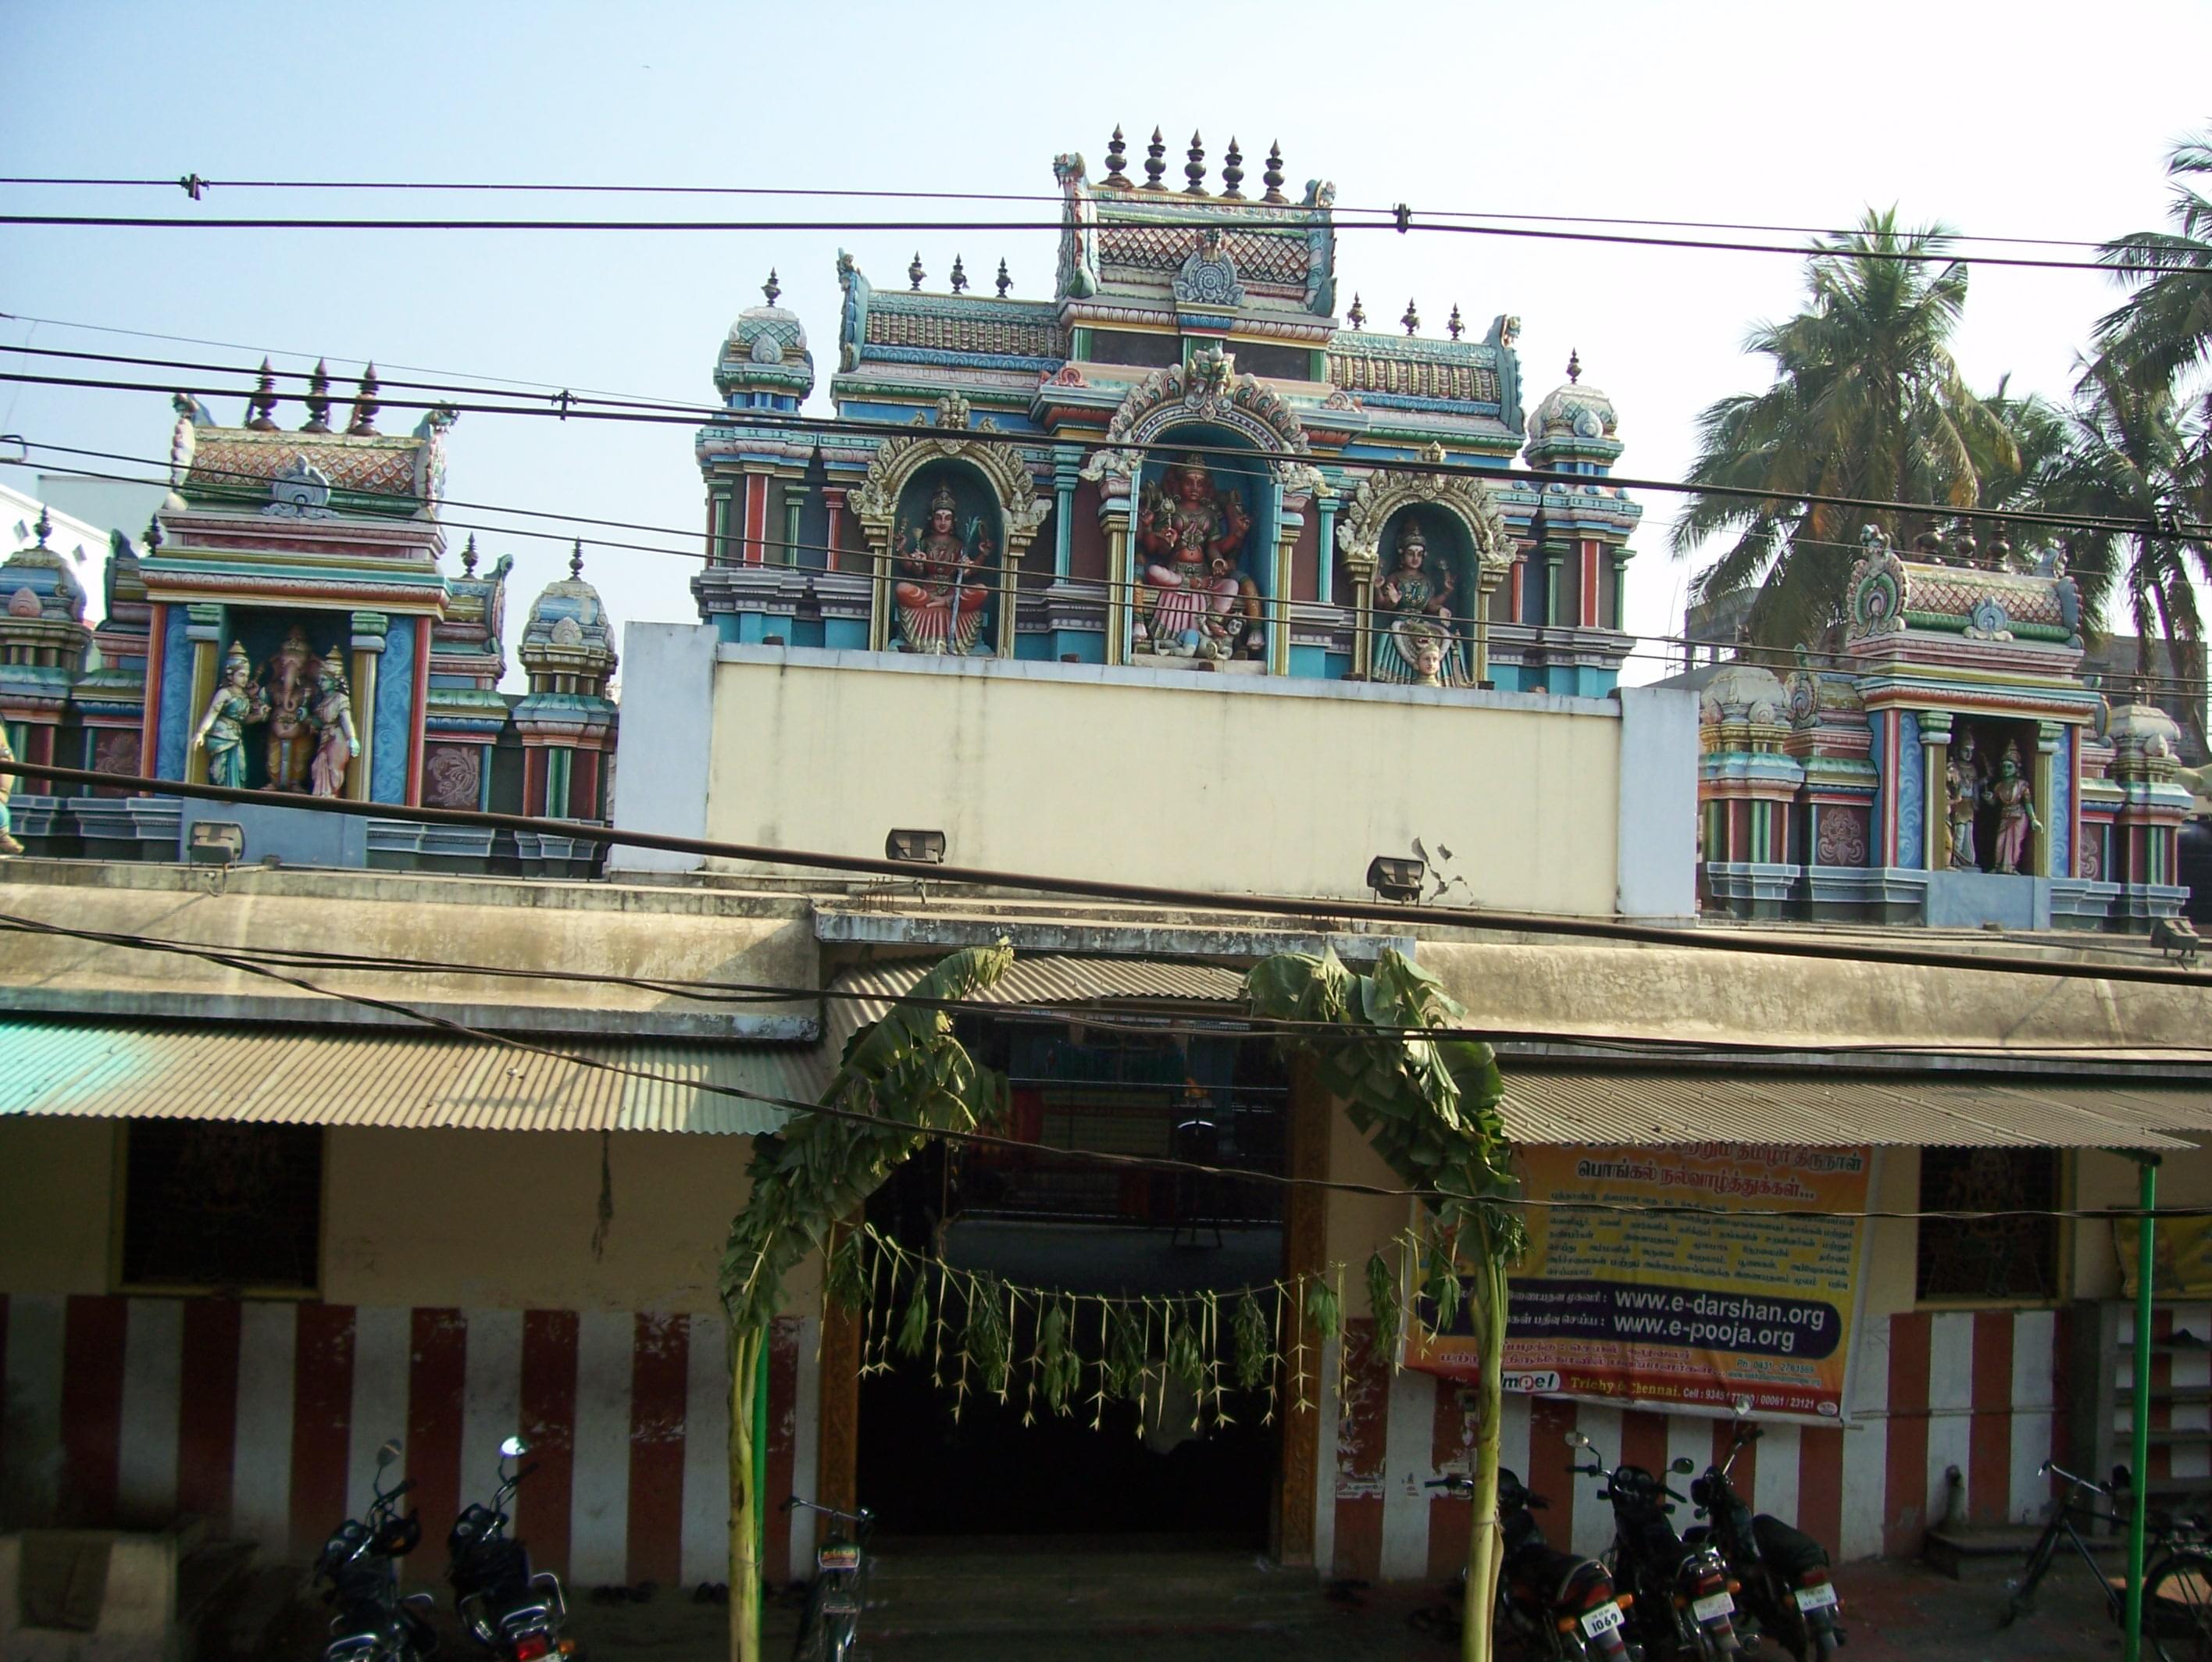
point(2023, 1593)
point(2177, 1608)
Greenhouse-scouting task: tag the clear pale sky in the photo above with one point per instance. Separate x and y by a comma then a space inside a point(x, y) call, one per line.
point(2005, 121)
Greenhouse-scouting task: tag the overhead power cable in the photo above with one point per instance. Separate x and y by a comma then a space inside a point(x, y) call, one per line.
point(1400, 220)
point(1156, 1016)
point(1300, 906)
point(1125, 1161)
point(567, 407)
point(196, 186)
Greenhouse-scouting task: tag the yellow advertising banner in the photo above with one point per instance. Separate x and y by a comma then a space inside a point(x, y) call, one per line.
point(1675, 1310)
point(2181, 1257)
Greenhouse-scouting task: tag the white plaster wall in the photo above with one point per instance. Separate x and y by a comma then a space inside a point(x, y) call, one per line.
point(1272, 786)
point(1658, 825)
point(660, 775)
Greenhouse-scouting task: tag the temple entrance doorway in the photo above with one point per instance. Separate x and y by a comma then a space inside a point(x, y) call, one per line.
point(1043, 1218)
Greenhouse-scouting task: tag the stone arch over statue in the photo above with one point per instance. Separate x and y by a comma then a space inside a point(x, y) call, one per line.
point(1200, 539)
point(947, 514)
point(1454, 508)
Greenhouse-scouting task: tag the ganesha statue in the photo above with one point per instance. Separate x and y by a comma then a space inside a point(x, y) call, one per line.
point(1196, 599)
point(942, 588)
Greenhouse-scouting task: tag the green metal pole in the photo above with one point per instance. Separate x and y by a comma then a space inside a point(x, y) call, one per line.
point(2146, 1227)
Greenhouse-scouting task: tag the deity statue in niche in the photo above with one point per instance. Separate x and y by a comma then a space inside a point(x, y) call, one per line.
point(331, 716)
point(1202, 603)
point(942, 590)
point(1412, 617)
point(1963, 784)
point(2015, 805)
point(288, 682)
point(8, 843)
point(237, 705)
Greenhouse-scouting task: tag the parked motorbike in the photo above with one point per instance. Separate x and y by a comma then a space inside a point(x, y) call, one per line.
point(1784, 1571)
point(514, 1614)
point(1684, 1605)
point(1562, 1606)
point(357, 1571)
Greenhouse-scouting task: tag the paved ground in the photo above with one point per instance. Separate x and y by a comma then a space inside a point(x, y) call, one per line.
point(1037, 1606)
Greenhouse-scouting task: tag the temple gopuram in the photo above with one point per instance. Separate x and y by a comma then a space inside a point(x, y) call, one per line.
point(1950, 767)
point(1182, 460)
point(288, 623)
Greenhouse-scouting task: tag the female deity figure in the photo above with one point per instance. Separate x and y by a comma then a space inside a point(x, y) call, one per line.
point(237, 705)
point(331, 717)
point(289, 686)
point(2015, 810)
point(1413, 606)
point(8, 843)
point(1962, 793)
point(1189, 535)
point(940, 599)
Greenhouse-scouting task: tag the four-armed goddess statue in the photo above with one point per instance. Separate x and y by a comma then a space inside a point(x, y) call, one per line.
point(1189, 537)
point(943, 593)
point(1415, 640)
point(2015, 803)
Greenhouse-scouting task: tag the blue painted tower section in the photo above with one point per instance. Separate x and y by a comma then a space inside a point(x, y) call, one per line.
point(395, 698)
point(178, 717)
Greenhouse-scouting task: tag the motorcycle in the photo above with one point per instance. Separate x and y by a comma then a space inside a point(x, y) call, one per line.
point(1784, 1571)
point(1684, 1605)
point(514, 1614)
point(1561, 1606)
point(356, 1570)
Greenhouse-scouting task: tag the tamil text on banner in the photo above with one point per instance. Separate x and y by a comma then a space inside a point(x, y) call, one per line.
point(1678, 1309)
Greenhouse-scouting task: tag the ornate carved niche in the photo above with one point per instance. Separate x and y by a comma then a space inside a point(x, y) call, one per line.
point(1369, 532)
point(946, 460)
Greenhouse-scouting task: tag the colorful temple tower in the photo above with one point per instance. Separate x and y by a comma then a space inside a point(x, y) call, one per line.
point(288, 625)
point(1950, 765)
point(1182, 460)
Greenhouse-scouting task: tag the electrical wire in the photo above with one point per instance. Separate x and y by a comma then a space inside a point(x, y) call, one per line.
point(1143, 1162)
point(1147, 894)
point(1400, 220)
point(567, 407)
point(1158, 1015)
point(191, 182)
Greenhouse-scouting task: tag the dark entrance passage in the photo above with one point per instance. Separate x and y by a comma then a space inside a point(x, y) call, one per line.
point(1041, 1219)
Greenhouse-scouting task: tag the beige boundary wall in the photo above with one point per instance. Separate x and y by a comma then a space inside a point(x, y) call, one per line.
point(1274, 786)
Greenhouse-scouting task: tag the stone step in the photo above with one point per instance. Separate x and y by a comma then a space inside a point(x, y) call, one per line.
point(1996, 1555)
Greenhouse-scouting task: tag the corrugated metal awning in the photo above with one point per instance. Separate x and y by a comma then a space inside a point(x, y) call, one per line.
point(1068, 980)
point(1560, 1106)
point(360, 1077)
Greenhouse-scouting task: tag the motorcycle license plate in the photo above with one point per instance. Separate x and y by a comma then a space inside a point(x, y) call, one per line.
point(838, 1558)
point(1604, 1619)
point(840, 1607)
point(1713, 1608)
point(1812, 1599)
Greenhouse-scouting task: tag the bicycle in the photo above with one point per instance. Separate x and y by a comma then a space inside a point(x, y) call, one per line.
point(2177, 1586)
point(832, 1621)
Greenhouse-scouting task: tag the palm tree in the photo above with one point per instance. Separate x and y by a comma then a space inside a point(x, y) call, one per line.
point(2164, 331)
point(1867, 401)
point(2133, 453)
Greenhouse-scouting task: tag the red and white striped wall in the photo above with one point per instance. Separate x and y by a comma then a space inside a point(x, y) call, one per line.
point(1974, 1389)
point(265, 1418)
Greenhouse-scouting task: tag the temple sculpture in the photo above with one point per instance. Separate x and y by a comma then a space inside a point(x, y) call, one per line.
point(287, 684)
point(1860, 788)
point(940, 595)
point(1202, 603)
point(8, 843)
point(1414, 640)
point(1192, 453)
point(331, 719)
point(238, 703)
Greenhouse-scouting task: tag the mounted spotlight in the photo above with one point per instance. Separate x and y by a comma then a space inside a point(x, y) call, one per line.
point(915, 847)
point(2179, 937)
point(1394, 878)
point(215, 842)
